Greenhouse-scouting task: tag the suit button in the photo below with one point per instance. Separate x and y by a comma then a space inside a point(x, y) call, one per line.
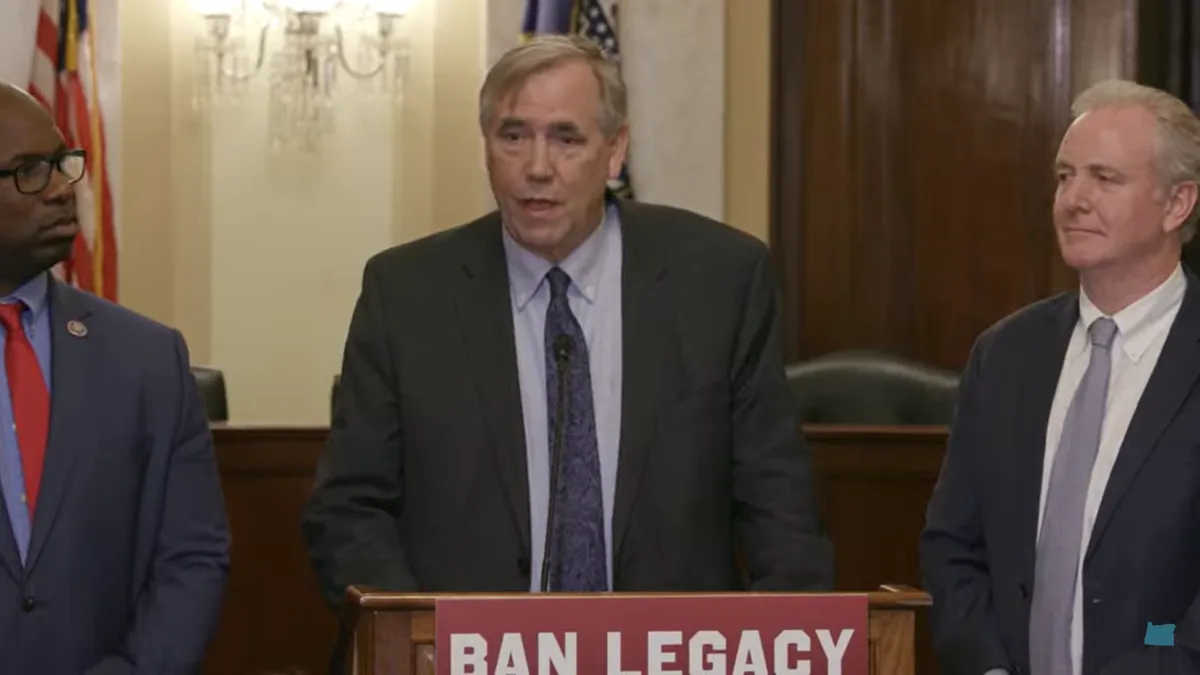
point(28, 603)
point(523, 565)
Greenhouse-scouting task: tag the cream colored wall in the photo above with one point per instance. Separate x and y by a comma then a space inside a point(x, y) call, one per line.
point(166, 194)
point(228, 243)
point(748, 115)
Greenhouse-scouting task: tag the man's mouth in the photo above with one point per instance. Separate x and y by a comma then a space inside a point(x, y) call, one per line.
point(538, 204)
point(67, 225)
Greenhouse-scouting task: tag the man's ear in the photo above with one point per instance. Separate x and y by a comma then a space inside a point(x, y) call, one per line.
point(1180, 204)
point(618, 147)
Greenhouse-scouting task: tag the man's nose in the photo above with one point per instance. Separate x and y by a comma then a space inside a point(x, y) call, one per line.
point(59, 188)
point(1073, 194)
point(538, 166)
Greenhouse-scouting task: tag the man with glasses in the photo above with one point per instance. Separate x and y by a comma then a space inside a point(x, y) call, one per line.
point(113, 535)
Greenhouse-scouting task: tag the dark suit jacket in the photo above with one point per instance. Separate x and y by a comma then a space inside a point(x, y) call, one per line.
point(1143, 561)
point(127, 558)
point(423, 485)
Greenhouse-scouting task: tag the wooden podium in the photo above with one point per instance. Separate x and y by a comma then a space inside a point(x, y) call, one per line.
point(393, 633)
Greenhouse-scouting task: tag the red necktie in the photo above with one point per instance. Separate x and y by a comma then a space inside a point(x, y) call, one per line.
point(30, 399)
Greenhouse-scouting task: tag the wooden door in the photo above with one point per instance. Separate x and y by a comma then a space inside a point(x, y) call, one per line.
point(912, 168)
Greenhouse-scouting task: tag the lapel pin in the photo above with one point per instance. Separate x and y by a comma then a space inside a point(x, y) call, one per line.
point(75, 327)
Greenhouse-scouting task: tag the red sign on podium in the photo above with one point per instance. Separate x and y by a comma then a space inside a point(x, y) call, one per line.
point(669, 635)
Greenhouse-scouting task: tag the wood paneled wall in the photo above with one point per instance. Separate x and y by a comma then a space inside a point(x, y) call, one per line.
point(912, 169)
point(274, 620)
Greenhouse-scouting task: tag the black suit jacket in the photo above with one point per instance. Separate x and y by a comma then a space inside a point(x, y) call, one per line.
point(423, 484)
point(1143, 560)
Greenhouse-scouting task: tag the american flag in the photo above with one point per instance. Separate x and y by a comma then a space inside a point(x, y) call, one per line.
point(64, 80)
point(590, 19)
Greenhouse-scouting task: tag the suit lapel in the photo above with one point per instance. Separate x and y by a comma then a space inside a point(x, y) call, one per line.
point(485, 321)
point(646, 327)
point(70, 410)
point(1047, 348)
point(1170, 384)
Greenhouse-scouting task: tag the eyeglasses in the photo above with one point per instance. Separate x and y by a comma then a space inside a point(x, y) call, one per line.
point(34, 176)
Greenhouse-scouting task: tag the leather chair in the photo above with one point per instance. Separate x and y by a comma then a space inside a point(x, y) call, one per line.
point(873, 388)
point(211, 383)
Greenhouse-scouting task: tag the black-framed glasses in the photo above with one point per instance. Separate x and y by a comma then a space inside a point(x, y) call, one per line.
point(34, 176)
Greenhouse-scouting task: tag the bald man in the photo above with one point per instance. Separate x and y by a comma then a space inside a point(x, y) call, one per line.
point(113, 536)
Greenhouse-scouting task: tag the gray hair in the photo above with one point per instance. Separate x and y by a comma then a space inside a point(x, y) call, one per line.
point(546, 52)
point(1177, 146)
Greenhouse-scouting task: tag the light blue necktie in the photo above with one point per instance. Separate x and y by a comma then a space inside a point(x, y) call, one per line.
point(1062, 522)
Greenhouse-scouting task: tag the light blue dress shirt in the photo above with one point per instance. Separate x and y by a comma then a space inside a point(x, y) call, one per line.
point(595, 299)
point(36, 319)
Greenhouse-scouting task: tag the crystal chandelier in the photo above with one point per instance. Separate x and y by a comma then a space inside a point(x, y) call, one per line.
point(304, 62)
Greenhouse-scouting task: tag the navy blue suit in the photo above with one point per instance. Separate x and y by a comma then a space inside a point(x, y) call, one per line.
point(1143, 560)
point(128, 553)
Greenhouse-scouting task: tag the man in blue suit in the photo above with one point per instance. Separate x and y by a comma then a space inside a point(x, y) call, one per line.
point(1065, 525)
point(113, 536)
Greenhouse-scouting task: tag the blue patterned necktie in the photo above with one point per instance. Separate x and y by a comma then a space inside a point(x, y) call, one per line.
point(577, 557)
point(1057, 562)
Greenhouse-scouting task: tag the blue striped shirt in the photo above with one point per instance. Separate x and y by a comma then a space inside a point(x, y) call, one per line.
point(36, 319)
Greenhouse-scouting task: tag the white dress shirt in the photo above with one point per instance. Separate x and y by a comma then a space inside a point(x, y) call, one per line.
point(1142, 329)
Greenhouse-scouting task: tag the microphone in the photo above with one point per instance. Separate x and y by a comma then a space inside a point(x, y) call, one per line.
point(562, 355)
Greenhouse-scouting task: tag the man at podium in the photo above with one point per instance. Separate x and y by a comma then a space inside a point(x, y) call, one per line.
point(574, 393)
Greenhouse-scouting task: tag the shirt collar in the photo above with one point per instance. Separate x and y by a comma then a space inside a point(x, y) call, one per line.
point(34, 294)
point(585, 265)
point(1136, 323)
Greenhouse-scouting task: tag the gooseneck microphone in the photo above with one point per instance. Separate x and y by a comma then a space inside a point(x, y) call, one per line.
point(562, 357)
